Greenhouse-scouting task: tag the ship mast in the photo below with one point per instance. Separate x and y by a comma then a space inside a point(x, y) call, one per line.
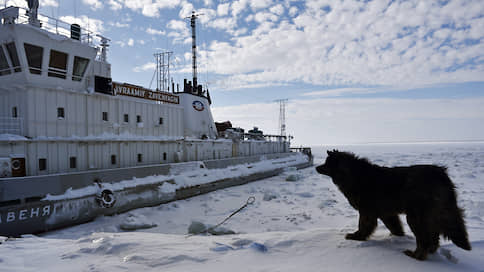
point(193, 19)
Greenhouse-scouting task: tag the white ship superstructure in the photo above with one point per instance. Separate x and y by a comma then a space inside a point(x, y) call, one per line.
point(60, 111)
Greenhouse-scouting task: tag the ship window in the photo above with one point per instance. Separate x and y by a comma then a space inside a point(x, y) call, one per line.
point(126, 118)
point(105, 116)
point(14, 112)
point(42, 164)
point(60, 113)
point(140, 157)
point(80, 65)
point(113, 159)
point(73, 162)
point(57, 64)
point(160, 122)
point(12, 52)
point(4, 67)
point(138, 119)
point(34, 58)
point(164, 156)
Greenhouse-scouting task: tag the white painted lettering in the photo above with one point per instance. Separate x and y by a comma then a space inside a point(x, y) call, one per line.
point(34, 211)
point(22, 215)
point(46, 211)
point(140, 92)
point(10, 217)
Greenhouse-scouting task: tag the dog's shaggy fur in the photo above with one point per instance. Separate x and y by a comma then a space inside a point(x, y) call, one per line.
point(424, 193)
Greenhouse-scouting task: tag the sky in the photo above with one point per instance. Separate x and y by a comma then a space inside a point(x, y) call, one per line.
point(352, 71)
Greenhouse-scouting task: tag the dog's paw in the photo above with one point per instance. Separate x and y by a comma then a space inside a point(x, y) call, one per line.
point(416, 255)
point(355, 236)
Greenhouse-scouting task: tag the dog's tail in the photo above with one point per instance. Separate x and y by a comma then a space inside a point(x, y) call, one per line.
point(454, 228)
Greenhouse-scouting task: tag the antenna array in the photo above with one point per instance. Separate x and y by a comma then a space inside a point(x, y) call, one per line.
point(282, 115)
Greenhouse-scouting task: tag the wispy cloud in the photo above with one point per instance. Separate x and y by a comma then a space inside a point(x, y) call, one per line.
point(50, 3)
point(153, 31)
point(148, 8)
point(94, 4)
point(342, 91)
point(115, 5)
point(93, 25)
point(150, 66)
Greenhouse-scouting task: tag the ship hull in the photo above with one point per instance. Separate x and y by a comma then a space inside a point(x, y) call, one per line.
point(71, 199)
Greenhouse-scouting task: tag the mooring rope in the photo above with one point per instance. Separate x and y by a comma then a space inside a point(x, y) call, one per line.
point(249, 201)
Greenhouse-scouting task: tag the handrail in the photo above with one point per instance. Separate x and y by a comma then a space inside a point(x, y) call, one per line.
point(57, 26)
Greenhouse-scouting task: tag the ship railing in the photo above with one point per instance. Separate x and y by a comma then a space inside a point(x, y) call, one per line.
point(56, 26)
point(10, 125)
point(304, 150)
point(265, 137)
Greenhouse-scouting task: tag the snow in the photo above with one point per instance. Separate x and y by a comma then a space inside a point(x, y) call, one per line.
point(12, 137)
point(300, 226)
point(185, 175)
point(124, 136)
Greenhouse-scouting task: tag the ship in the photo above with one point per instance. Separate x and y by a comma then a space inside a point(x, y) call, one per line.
point(75, 145)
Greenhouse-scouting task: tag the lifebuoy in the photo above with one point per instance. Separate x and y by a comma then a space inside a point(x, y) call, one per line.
point(105, 198)
point(16, 164)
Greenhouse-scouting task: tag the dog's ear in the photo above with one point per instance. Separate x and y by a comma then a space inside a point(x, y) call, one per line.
point(329, 152)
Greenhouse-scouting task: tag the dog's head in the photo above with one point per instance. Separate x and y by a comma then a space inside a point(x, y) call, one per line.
point(330, 166)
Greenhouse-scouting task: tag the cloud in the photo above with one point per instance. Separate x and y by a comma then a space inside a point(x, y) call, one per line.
point(94, 4)
point(149, 8)
point(180, 33)
point(119, 24)
point(16, 3)
point(130, 42)
point(237, 7)
point(259, 4)
point(186, 10)
point(351, 43)
point(277, 9)
point(150, 66)
point(115, 5)
point(342, 91)
point(49, 3)
point(223, 9)
point(93, 25)
point(153, 31)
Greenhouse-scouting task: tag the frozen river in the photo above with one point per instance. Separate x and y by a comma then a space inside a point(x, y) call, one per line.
point(292, 226)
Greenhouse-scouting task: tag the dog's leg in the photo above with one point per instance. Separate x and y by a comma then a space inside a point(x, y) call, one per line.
point(424, 237)
point(366, 226)
point(434, 242)
point(393, 223)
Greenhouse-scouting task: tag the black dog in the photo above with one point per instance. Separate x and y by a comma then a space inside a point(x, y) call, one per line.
point(424, 193)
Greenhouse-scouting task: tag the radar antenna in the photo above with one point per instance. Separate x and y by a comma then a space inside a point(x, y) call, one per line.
point(104, 48)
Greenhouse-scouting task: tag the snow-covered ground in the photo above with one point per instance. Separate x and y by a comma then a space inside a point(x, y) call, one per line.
point(292, 226)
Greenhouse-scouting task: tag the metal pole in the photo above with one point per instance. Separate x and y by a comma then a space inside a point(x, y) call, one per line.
point(194, 50)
